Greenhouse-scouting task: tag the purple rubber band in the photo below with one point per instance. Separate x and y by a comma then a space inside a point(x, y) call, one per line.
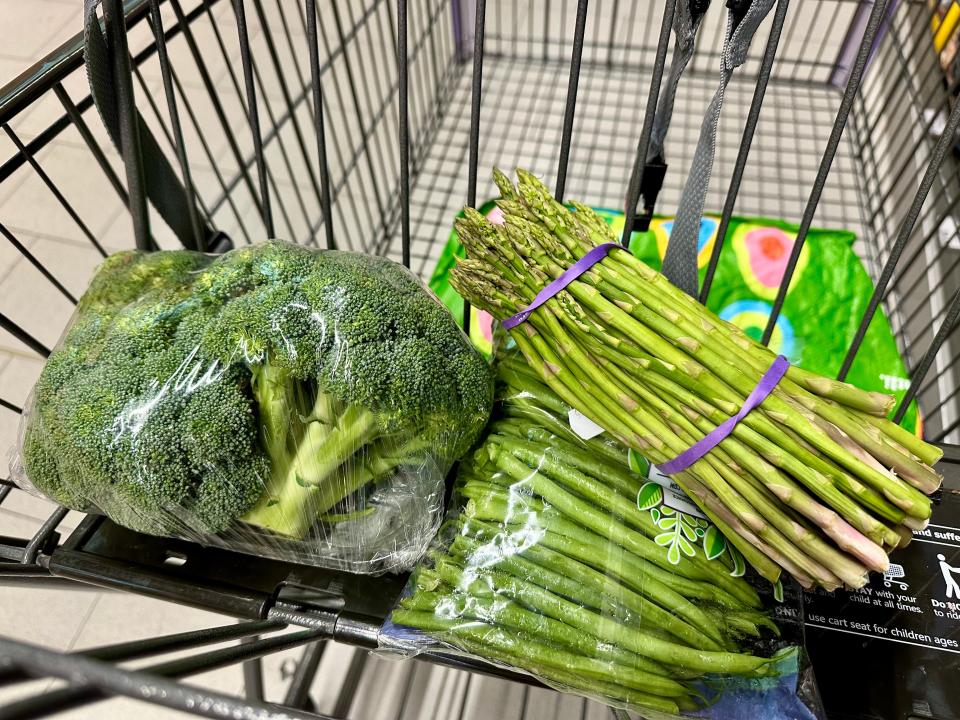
point(568, 276)
point(766, 385)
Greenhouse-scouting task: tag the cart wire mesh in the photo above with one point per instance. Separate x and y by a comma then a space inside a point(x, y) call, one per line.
point(366, 125)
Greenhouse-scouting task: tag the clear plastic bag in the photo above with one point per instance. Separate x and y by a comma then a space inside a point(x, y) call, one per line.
point(295, 403)
point(560, 558)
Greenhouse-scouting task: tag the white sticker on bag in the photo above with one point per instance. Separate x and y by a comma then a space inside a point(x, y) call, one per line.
point(583, 426)
point(673, 496)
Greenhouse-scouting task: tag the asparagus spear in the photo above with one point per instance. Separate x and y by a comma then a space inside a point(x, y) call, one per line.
point(604, 628)
point(601, 523)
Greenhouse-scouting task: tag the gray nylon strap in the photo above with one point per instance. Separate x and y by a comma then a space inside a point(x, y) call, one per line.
point(685, 27)
point(680, 261)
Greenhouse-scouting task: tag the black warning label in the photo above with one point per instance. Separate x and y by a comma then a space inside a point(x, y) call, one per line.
point(892, 649)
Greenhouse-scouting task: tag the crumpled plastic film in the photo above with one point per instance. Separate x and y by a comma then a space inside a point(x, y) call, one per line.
point(287, 402)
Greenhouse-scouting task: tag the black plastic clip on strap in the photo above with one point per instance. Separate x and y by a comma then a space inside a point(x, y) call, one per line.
point(162, 185)
point(686, 23)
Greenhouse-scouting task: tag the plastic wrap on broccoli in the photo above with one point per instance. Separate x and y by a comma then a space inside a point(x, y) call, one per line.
point(266, 392)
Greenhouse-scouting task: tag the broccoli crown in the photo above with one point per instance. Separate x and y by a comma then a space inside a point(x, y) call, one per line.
point(147, 409)
point(363, 328)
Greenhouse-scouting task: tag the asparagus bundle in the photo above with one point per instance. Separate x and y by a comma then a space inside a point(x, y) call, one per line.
point(549, 566)
point(815, 480)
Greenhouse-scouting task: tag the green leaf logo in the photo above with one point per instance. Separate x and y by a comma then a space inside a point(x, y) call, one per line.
point(664, 539)
point(667, 523)
point(650, 496)
point(636, 462)
point(713, 543)
point(739, 567)
point(673, 554)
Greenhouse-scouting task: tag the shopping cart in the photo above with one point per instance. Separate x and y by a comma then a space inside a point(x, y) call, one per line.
point(366, 125)
point(892, 577)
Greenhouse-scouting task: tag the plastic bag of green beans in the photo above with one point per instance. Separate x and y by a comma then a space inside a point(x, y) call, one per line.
point(565, 556)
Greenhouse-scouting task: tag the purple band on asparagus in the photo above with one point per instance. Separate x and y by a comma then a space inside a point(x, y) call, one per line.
point(766, 385)
point(568, 276)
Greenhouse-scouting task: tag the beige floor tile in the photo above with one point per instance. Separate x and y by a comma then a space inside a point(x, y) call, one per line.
point(21, 691)
point(35, 509)
point(121, 617)
point(29, 205)
point(249, 217)
point(46, 109)
point(17, 379)
point(10, 255)
point(330, 675)
point(28, 506)
point(49, 24)
point(47, 616)
point(493, 698)
point(277, 669)
point(202, 120)
point(117, 233)
point(123, 709)
point(14, 525)
point(72, 264)
point(12, 347)
point(39, 308)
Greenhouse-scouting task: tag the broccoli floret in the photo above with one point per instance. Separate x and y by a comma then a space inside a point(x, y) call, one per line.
point(263, 386)
point(43, 468)
point(129, 275)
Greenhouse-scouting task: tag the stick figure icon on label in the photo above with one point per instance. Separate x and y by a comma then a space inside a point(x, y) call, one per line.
point(893, 572)
point(947, 570)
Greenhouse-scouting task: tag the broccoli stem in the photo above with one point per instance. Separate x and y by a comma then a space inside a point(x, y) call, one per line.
point(324, 448)
point(290, 506)
point(307, 443)
point(278, 409)
point(380, 460)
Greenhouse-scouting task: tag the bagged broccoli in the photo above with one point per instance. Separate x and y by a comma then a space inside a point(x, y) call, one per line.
point(295, 403)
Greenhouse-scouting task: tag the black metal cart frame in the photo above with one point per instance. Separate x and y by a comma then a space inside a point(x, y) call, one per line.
point(364, 126)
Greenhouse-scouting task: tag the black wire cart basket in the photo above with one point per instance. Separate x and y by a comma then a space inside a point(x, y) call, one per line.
point(367, 125)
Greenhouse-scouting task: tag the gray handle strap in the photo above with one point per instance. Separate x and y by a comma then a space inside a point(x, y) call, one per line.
point(680, 261)
point(686, 22)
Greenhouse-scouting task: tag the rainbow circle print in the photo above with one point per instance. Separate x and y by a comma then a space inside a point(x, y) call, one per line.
point(751, 316)
point(762, 253)
point(481, 330)
point(662, 228)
